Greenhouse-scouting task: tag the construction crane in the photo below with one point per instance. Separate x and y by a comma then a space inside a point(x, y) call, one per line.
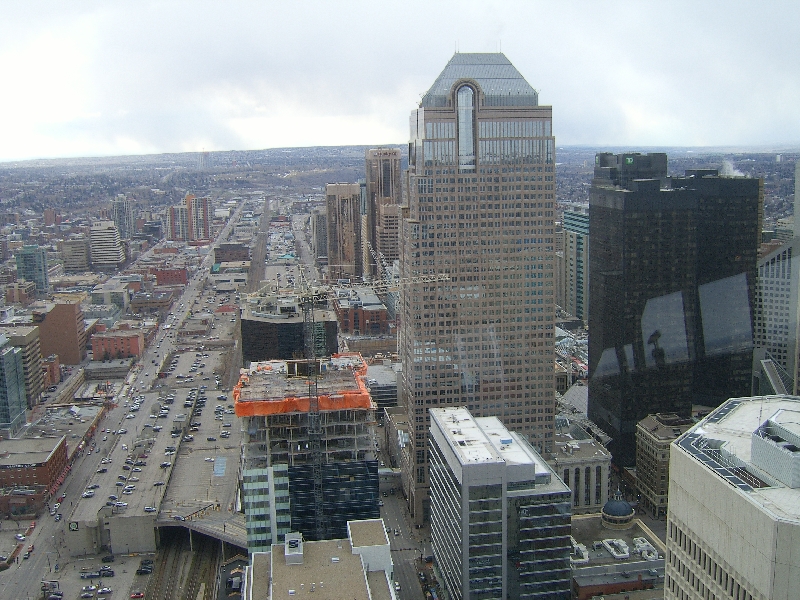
point(380, 262)
point(309, 296)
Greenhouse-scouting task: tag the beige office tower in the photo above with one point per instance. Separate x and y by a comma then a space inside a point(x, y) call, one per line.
point(383, 206)
point(343, 203)
point(733, 519)
point(481, 195)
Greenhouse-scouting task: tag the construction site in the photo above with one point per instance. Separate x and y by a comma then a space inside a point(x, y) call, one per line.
point(309, 456)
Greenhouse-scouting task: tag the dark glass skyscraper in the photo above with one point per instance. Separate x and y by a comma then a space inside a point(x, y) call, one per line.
point(672, 267)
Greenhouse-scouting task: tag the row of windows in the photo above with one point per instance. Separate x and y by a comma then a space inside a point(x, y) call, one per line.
point(694, 552)
point(492, 129)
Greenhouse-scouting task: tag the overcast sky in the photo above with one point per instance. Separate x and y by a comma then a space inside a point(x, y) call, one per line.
point(116, 77)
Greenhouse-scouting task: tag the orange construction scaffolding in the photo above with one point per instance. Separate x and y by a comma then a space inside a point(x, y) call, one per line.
point(357, 398)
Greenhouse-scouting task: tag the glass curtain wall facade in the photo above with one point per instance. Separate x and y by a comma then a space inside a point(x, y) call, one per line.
point(500, 528)
point(12, 387)
point(481, 193)
point(673, 267)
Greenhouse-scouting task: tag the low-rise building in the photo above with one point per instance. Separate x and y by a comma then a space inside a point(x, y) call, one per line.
point(118, 343)
point(583, 464)
point(360, 311)
point(231, 253)
point(654, 434)
point(359, 566)
point(31, 462)
point(21, 292)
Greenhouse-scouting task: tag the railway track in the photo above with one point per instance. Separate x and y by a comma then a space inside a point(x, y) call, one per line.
point(169, 568)
point(202, 573)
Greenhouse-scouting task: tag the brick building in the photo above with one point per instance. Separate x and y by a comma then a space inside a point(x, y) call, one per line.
point(117, 343)
point(171, 276)
point(21, 292)
point(360, 311)
point(231, 253)
point(51, 370)
point(62, 331)
point(33, 467)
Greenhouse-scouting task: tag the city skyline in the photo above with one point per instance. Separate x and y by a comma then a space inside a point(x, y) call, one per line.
point(131, 81)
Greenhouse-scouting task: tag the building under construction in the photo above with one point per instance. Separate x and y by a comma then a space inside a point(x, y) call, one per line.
point(274, 398)
point(273, 328)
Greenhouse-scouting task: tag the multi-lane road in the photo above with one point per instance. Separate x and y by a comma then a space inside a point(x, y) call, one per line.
point(23, 580)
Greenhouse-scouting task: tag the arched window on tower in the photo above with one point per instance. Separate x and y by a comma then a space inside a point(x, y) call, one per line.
point(465, 99)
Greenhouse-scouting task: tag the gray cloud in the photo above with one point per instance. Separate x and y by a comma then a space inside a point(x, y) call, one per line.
point(157, 77)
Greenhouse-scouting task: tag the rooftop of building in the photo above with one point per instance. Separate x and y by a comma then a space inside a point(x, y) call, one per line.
point(485, 440)
point(498, 79)
point(282, 306)
point(369, 532)
point(665, 426)
point(753, 443)
point(27, 451)
point(588, 529)
point(19, 331)
point(382, 374)
point(572, 443)
point(282, 386)
point(329, 566)
point(71, 421)
point(362, 297)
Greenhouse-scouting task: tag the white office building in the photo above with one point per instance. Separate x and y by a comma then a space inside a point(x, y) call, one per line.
point(733, 523)
point(500, 517)
point(107, 250)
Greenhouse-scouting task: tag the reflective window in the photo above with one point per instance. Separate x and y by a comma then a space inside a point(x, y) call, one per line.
point(466, 135)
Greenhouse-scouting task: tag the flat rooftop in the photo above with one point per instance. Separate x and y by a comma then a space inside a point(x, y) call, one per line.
point(587, 529)
point(568, 446)
point(329, 565)
point(27, 451)
point(483, 439)
point(723, 442)
point(370, 532)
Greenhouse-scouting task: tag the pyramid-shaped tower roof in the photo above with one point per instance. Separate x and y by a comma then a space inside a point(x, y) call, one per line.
point(499, 80)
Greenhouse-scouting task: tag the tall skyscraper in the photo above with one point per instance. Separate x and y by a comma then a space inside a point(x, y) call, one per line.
point(77, 254)
point(343, 203)
point(27, 339)
point(200, 217)
point(481, 194)
point(32, 266)
point(191, 220)
point(383, 204)
point(576, 261)
point(777, 314)
point(672, 279)
point(319, 236)
point(122, 215)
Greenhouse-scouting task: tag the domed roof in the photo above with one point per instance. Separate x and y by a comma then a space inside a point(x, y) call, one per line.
point(618, 506)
